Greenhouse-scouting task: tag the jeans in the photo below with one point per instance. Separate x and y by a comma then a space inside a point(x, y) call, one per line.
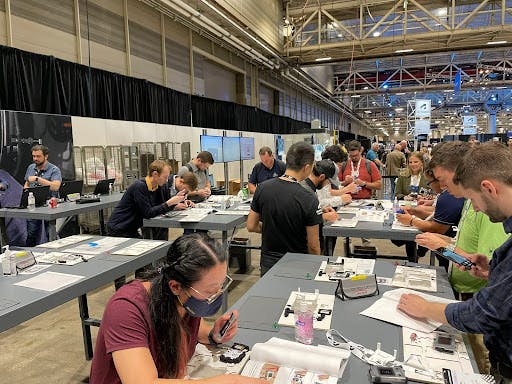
point(34, 232)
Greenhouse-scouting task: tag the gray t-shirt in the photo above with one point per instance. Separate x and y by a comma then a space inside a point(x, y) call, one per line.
point(202, 176)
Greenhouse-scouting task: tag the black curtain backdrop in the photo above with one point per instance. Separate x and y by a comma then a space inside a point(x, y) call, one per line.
point(36, 83)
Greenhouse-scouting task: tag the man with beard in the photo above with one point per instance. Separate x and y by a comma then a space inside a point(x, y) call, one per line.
point(486, 179)
point(40, 173)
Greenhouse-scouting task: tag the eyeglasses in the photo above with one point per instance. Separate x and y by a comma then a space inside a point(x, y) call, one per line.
point(431, 181)
point(210, 299)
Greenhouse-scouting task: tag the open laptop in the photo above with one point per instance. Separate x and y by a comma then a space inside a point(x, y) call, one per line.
point(41, 194)
point(102, 186)
point(70, 187)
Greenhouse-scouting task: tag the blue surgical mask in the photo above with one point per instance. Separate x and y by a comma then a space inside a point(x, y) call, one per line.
point(201, 308)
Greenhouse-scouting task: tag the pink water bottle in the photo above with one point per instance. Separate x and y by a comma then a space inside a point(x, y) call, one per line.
point(304, 324)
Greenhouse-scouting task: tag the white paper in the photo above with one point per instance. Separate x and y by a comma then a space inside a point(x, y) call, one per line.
point(372, 215)
point(138, 248)
point(233, 213)
point(61, 258)
point(323, 302)
point(347, 223)
point(66, 241)
point(424, 279)
point(419, 353)
point(385, 309)
point(103, 245)
point(400, 227)
point(36, 268)
point(49, 281)
point(351, 265)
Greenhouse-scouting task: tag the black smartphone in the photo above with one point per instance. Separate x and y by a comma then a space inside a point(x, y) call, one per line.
point(455, 257)
point(226, 325)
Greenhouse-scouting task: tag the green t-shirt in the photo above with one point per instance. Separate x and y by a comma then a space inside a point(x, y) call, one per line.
point(477, 234)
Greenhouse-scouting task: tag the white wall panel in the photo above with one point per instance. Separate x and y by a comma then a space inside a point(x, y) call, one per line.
point(144, 132)
point(148, 70)
point(88, 131)
point(119, 132)
point(104, 57)
point(39, 38)
point(178, 80)
point(165, 133)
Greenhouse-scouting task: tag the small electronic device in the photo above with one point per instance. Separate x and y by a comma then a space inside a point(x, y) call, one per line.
point(387, 375)
point(444, 342)
point(70, 187)
point(455, 257)
point(24, 259)
point(400, 211)
point(87, 200)
point(226, 325)
point(235, 354)
point(357, 286)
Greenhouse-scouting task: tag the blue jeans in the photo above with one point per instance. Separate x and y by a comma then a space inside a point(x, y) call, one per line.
point(34, 232)
point(393, 186)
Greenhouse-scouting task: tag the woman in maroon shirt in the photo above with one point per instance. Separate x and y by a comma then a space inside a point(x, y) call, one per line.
point(150, 329)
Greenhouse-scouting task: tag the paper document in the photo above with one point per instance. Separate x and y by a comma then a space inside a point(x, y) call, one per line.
point(193, 215)
point(66, 241)
point(36, 268)
point(287, 362)
point(423, 279)
point(49, 281)
point(232, 213)
point(205, 364)
point(60, 258)
point(427, 362)
point(400, 227)
point(344, 267)
point(385, 309)
point(324, 302)
point(138, 248)
point(372, 215)
point(98, 247)
point(348, 223)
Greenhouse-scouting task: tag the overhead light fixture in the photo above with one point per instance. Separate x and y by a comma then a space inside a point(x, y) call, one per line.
point(323, 58)
point(496, 42)
point(368, 111)
point(376, 34)
point(406, 50)
point(355, 96)
point(399, 109)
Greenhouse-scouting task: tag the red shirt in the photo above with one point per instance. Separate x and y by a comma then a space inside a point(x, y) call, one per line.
point(126, 324)
point(364, 193)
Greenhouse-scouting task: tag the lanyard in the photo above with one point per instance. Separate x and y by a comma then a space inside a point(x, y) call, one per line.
point(291, 178)
point(355, 173)
point(467, 205)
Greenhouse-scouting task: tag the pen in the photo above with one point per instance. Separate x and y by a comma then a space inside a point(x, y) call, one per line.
point(84, 259)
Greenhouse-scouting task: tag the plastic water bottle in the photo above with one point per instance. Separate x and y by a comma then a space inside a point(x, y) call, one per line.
point(31, 201)
point(12, 258)
point(396, 207)
point(110, 188)
point(304, 324)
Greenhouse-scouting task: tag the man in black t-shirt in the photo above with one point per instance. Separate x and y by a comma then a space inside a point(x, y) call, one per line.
point(286, 214)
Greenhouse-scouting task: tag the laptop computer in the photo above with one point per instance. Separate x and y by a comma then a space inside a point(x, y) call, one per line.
point(41, 194)
point(102, 186)
point(70, 187)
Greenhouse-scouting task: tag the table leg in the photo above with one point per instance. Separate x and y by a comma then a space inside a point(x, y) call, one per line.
point(52, 230)
point(328, 248)
point(3, 232)
point(415, 253)
point(101, 217)
point(225, 294)
point(86, 328)
point(347, 247)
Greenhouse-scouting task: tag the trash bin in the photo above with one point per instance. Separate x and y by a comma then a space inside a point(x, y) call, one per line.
point(239, 256)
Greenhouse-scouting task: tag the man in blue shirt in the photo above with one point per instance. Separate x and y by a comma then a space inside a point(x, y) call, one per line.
point(486, 178)
point(268, 168)
point(40, 173)
point(373, 156)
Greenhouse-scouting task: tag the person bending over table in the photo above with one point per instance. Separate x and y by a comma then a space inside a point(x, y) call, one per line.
point(150, 328)
point(145, 199)
point(199, 167)
point(486, 179)
point(446, 214)
point(268, 168)
point(409, 185)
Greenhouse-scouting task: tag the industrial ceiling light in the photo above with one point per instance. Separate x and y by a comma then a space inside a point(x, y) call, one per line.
point(406, 50)
point(323, 58)
point(376, 34)
point(496, 42)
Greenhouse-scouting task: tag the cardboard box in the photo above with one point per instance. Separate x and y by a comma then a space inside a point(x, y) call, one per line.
point(234, 186)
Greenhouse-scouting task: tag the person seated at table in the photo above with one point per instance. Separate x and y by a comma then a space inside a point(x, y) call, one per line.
point(150, 328)
point(447, 212)
point(144, 199)
point(41, 173)
point(199, 167)
point(176, 183)
point(409, 185)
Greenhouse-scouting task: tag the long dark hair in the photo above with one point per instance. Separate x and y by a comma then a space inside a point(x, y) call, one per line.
point(188, 257)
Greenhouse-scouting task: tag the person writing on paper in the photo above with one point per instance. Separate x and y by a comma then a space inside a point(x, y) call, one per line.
point(486, 179)
point(150, 328)
point(145, 199)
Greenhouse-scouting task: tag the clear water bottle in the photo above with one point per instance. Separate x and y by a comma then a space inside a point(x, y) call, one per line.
point(396, 207)
point(31, 201)
point(304, 324)
point(110, 188)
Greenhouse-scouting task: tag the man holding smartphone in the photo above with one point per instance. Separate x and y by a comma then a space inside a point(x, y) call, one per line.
point(485, 176)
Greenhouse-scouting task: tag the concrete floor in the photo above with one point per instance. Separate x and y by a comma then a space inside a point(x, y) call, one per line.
point(49, 348)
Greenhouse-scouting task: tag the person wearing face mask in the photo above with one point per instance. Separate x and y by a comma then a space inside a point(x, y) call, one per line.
point(150, 328)
point(286, 215)
point(409, 185)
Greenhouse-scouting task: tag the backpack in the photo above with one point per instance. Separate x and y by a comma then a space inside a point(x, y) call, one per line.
point(366, 162)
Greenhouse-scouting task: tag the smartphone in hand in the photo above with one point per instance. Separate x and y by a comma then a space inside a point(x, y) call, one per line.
point(226, 325)
point(455, 257)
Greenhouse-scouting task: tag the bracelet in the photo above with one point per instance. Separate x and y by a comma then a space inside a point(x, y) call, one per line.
point(211, 340)
point(412, 219)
